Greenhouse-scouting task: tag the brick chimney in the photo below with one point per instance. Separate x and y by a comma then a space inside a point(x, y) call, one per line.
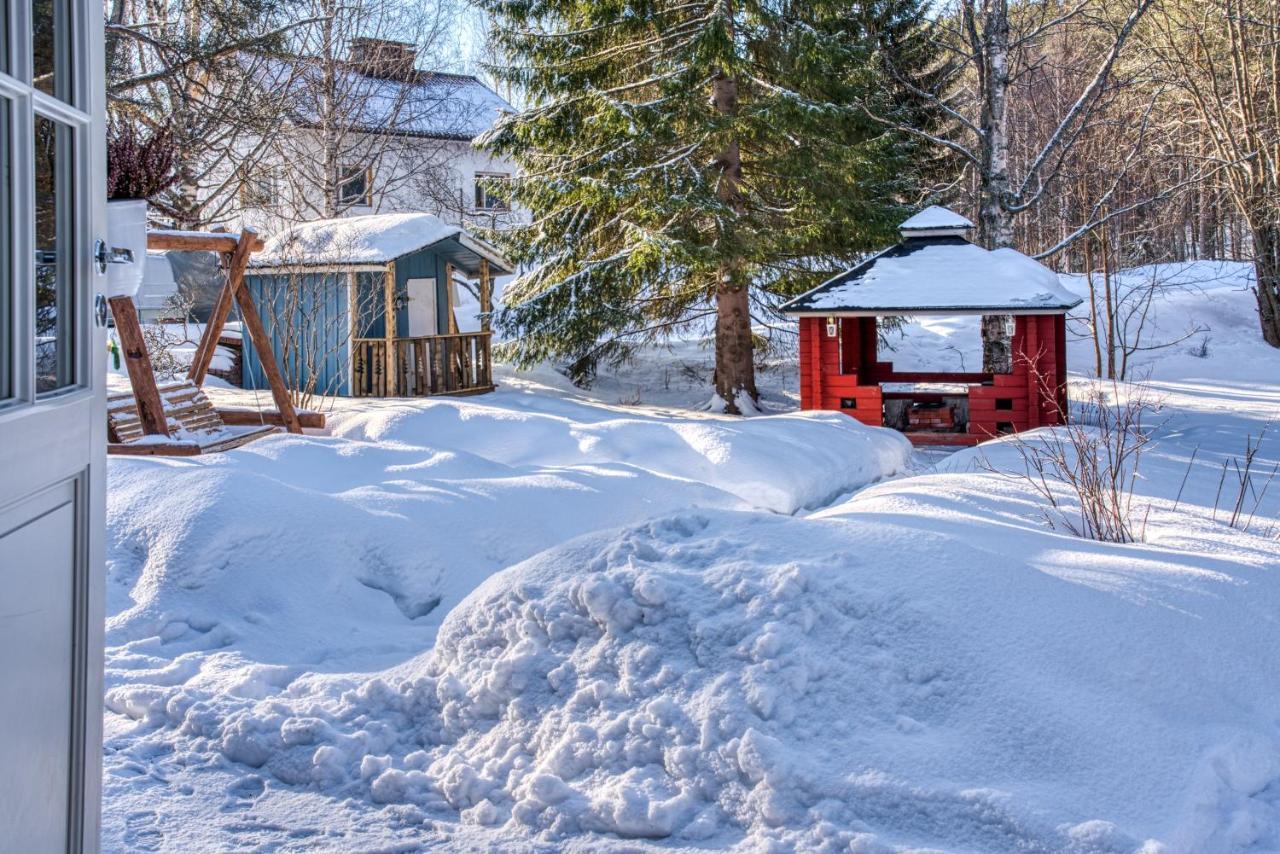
point(383, 57)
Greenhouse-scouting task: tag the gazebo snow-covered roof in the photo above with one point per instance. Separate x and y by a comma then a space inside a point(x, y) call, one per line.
point(936, 270)
point(376, 240)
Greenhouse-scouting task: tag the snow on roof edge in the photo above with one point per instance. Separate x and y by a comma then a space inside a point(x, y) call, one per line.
point(935, 216)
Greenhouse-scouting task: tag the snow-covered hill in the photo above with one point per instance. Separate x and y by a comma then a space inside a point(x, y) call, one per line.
point(555, 620)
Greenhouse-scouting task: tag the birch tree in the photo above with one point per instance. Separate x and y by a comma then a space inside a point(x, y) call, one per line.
point(985, 48)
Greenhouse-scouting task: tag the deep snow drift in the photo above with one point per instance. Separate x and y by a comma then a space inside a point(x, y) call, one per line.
point(681, 654)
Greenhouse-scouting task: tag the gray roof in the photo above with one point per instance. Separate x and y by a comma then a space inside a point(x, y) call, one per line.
point(430, 104)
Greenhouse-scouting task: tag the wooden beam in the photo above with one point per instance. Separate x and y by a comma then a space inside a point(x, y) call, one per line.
point(243, 417)
point(353, 320)
point(198, 241)
point(448, 298)
point(486, 295)
point(266, 355)
point(138, 363)
point(236, 265)
point(389, 330)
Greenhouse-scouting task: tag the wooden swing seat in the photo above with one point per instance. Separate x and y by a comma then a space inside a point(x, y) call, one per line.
point(195, 427)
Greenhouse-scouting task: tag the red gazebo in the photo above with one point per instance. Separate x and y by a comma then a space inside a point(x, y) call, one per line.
point(934, 270)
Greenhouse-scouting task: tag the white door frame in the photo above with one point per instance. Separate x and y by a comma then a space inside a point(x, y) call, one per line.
point(53, 445)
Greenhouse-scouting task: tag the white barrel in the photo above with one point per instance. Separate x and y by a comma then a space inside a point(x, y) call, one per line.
point(126, 230)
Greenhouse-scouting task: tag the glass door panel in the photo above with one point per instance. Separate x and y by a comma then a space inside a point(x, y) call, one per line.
point(50, 48)
point(55, 292)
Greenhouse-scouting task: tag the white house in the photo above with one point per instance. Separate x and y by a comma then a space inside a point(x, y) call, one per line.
point(372, 133)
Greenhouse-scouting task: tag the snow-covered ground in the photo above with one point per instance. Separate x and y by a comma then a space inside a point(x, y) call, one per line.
point(553, 619)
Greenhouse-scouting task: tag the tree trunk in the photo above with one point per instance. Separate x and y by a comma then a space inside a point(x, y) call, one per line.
point(735, 373)
point(1266, 266)
point(995, 221)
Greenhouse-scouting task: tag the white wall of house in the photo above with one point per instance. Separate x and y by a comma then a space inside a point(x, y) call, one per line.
point(409, 175)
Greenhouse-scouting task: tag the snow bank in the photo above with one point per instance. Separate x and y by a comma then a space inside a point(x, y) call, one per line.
point(783, 463)
point(351, 548)
point(924, 665)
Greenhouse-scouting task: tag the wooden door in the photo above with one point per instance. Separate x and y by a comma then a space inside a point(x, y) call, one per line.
point(52, 416)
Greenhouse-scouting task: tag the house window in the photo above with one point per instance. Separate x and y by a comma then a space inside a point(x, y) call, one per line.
point(490, 192)
point(258, 188)
point(355, 186)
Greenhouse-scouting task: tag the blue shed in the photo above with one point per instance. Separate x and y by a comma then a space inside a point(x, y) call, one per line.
point(326, 289)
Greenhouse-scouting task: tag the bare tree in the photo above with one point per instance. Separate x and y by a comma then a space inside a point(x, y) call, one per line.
point(1224, 57)
point(313, 315)
point(364, 125)
point(190, 67)
point(990, 49)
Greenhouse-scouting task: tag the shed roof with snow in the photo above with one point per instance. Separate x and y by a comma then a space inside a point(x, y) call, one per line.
point(376, 240)
point(936, 270)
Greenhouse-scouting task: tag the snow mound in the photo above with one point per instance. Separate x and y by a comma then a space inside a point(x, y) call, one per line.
point(715, 678)
point(351, 548)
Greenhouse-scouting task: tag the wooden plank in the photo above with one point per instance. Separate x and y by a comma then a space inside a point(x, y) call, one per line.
point(137, 361)
point(266, 356)
point(239, 417)
point(236, 265)
point(353, 321)
point(198, 241)
point(437, 366)
point(464, 363)
point(486, 295)
point(419, 367)
point(237, 440)
point(448, 296)
point(389, 326)
point(154, 449)
point(1032, 368)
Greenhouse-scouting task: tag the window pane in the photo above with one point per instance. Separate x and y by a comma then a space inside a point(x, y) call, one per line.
point(55, 304)
point(51, 57)
point(4, 38)
point(7, 346)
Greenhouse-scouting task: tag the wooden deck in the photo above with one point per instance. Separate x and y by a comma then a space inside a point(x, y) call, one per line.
point(419, 367)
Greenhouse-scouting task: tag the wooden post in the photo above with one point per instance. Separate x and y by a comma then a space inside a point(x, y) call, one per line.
point(353, 326)
point(236, 266)
point(486, 295)
point(138, 362)
point(448, 299)
point(389, 295)
point(266, 357)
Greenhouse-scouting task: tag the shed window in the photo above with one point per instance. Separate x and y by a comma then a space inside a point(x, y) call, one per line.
point(355, 185)
point(491, 191)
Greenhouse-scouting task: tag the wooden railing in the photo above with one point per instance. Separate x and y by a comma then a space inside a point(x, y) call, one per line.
point(433, 364)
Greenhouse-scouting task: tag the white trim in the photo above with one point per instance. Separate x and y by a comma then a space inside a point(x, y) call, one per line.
point(949, 231)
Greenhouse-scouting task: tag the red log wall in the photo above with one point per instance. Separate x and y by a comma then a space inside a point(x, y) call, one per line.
point(843, 369)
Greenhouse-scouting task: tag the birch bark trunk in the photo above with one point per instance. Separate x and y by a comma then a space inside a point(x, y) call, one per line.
point(995, 221)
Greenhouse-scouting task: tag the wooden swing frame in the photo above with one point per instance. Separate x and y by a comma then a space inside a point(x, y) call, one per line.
point(151, 415)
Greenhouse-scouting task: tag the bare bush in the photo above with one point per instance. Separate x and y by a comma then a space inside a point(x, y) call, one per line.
point(1096, 459)
point(161, 343)
point(1250, 484)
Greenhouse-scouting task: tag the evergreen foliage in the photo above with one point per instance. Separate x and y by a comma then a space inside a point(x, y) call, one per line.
point(642, 223)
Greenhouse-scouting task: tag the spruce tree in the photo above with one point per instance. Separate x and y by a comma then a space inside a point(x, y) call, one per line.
point(689, 160)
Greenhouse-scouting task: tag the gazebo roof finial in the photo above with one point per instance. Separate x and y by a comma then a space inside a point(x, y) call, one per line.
point(935, 221)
